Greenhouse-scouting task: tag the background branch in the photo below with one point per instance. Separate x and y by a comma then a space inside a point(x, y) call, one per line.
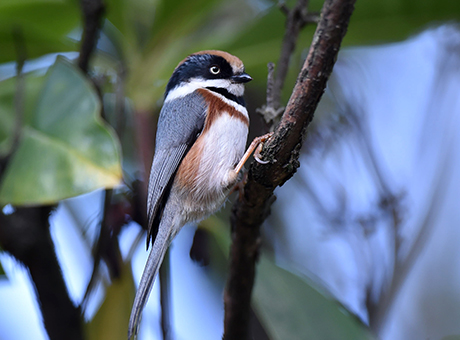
point(282, 150)
point(25, 235)
point(93, 11)
point(297, 18)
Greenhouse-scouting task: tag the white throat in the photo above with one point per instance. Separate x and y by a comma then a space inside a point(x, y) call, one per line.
point(197, 83)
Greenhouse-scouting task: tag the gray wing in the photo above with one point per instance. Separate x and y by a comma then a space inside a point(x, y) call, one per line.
point(179, 125)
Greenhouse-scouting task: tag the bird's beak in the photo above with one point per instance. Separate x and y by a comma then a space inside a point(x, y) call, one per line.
point(241, 78)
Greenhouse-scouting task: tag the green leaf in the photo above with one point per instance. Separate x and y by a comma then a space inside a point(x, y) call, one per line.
point(291, 309)
point(8, 87)
point(111, 320)
point(66, 150)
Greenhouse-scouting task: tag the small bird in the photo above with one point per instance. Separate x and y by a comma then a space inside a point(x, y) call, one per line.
point(200, 151)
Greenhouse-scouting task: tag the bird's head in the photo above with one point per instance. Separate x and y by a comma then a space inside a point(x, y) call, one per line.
point(208, 69)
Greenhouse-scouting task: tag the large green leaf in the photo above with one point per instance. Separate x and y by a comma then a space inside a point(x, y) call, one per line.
point(291, 309)
point(66, 150)
point(8, 88)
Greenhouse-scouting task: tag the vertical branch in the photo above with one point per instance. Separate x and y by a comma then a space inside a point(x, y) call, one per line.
point(282, 152)
point(93, 11)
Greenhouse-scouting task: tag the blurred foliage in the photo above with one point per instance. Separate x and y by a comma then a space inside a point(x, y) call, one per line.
point(288, 306)
point(384, 21)
point(153, 45)
point(296, 310)
point(65, 148)
point(153, 42)
point(149, 37)
point(372, 22)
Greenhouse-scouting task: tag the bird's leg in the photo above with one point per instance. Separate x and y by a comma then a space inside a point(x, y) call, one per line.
point(239, 186)
point(258, 142)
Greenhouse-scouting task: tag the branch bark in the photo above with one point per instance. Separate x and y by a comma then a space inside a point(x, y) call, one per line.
point(282, 152)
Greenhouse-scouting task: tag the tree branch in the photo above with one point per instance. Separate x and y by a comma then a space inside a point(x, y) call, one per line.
point(93, 11)
point(282, 150)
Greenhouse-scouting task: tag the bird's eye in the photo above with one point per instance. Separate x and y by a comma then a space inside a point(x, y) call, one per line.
point(214, 70)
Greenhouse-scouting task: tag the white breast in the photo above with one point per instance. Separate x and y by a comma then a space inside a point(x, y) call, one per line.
point(224, 145)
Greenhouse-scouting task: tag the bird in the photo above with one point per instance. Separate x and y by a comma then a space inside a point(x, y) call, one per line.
point(201, 138)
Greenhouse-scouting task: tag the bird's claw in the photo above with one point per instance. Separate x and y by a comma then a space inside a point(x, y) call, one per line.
point(262, 140)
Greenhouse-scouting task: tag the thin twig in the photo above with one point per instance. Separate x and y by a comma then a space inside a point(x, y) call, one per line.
point(103, 248)
point(294, 23)
point(270, 85)
point(282, 150)
point(296, 19)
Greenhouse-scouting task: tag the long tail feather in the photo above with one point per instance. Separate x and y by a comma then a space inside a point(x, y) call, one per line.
point(157, 253)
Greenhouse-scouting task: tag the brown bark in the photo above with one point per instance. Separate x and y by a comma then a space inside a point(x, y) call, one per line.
point(282, 152)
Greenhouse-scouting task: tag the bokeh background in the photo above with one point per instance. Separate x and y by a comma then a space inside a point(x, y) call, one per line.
point(363, 242)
